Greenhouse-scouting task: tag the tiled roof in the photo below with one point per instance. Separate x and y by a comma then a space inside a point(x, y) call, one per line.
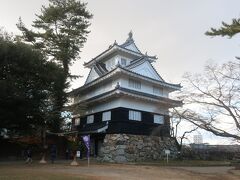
point(150, 96)
point(134, 93)
point(128, 42)
point(123, 47)
point(135, 61)
point(99, 79)
point(93, 128)
point(140, 61)
point(108, 50)
point(101, 69)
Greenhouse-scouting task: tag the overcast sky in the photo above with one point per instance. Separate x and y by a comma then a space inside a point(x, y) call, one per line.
point(171, 29)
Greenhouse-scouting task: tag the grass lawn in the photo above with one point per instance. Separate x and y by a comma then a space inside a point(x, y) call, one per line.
point(191, 163)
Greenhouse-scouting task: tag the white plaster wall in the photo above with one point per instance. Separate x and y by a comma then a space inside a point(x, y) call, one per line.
point(128, 103)
point(111, 63)
point(128, 60)
point(142, 105)
point(103, 106)
point(146, 69)
point(108, 86)
point(145, 87)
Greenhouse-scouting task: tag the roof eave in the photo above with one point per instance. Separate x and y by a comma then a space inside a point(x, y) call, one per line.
point(119, 91)
point(119, 69)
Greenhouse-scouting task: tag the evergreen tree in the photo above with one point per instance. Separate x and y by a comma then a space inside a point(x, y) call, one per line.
point(29, 90)
point(60, 30)
point(226, 30)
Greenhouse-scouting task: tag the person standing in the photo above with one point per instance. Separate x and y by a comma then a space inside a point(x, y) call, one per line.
point(53, 153)
point(67, 154)
point(29, 156)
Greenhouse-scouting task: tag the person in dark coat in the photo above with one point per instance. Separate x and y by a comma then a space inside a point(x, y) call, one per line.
point(67, 152)
point(53, 153)
point(29, 155)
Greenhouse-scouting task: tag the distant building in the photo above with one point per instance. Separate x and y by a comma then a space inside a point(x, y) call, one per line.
point(198, 139)
point(124, 99)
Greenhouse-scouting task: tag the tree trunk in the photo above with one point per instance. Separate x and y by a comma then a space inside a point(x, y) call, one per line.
point(43, 161)
point(74, 162)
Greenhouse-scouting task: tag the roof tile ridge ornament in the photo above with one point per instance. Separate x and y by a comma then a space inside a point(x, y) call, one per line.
point(118, 64)
point(115, 43)
point(146, 54)
point(130, 37)
point(153, 57)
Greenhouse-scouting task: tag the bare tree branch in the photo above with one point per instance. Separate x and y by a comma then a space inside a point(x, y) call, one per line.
point(212, 99)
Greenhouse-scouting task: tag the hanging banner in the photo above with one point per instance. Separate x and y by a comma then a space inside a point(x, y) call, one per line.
point(86, 140)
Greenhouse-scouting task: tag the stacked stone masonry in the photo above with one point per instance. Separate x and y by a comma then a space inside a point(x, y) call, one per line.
point(122, 148)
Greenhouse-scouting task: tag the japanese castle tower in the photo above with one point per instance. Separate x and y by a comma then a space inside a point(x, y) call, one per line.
point(124, 105)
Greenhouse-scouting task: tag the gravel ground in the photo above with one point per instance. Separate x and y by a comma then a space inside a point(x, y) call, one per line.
point(113, 172)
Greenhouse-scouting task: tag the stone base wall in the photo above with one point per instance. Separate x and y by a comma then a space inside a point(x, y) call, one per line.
point(122, 148)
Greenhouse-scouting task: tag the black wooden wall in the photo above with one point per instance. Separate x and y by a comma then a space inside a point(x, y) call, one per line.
point(120, 123)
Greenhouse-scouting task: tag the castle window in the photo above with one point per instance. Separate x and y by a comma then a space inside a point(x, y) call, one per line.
point(158, 119)
point(123, 62)
point(134, 84)
point(90, 119)
point(106, 116)
point(135, 115)
point(77, 121)
point(157, 90)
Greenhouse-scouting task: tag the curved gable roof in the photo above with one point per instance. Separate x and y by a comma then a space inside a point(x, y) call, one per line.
point(145, 68)
point(130, 44)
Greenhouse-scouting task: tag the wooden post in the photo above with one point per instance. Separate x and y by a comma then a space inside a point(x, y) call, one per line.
point(167, 158)
point(43, 161)
point(74, 162)
point(88, 161)
point(167, 152)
